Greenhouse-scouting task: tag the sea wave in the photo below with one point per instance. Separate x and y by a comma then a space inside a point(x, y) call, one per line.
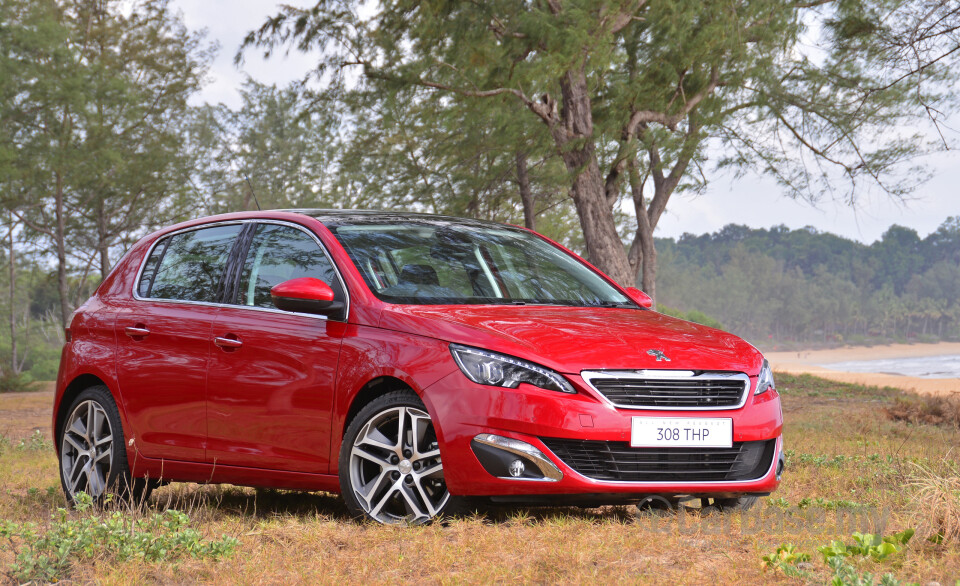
point(946, 366)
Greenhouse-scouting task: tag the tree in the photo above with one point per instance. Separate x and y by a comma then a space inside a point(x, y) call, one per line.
point(98, 90)
point(632, 91)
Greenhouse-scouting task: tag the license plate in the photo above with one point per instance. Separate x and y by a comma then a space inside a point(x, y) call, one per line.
point(681, 432)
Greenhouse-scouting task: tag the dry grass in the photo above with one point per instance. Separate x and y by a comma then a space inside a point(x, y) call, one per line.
point(849, 468)
point(927, 409)
point(936, 503)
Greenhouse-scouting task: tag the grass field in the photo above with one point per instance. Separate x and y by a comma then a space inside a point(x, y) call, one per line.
point(850, 468)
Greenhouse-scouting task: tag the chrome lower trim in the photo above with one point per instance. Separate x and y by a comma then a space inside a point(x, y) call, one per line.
point(589, 376)
point(521, 448)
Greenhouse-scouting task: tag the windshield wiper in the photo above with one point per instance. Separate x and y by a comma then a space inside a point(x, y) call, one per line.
point(612, 304)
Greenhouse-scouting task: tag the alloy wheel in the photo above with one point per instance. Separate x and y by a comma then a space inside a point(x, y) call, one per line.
point(395, 469)
point(86, 452)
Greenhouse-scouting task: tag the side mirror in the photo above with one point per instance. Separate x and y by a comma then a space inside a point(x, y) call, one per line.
point(641, 298)
point(304, 295)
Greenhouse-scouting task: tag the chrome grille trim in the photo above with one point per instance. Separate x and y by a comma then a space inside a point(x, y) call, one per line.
point(666, 385)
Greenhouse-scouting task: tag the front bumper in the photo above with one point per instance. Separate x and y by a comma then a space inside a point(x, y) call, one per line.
point(462, 410)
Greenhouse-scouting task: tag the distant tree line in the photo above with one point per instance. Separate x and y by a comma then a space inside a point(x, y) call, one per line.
point(782, 286)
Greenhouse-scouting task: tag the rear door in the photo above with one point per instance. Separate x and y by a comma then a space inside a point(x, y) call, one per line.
point(271, 375)
point(164, 341)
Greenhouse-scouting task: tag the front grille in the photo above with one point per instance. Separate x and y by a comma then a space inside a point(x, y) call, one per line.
point(619, 462)
point(644, 391)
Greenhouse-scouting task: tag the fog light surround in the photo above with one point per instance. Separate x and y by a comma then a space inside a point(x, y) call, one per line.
point(512, 459)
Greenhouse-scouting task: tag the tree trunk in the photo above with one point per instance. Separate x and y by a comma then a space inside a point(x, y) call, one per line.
point(61, 250)
point(103, 244)
point(526, 194)
point(645, 249)
point(14, 367)
point(573, 134)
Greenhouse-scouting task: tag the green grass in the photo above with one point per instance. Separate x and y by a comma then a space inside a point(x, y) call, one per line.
point(850, 469)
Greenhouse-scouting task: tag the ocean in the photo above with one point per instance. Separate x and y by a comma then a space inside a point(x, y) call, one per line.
point(947, 366)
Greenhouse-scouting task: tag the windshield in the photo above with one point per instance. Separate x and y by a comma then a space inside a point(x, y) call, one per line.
point(443, 263)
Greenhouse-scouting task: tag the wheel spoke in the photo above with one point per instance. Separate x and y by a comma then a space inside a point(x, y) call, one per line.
point(104, 440)
point(77, 428)
point(99, 417)
point(68, 438)
point(385, 498)
point(430, 471)
point(370, 490)
point(402, 423)
point(91, 423)
point(368, 436)
point(106, 454)
point(94, 485)
point(76, 473)
point(378, 460)
point(412, 505)
point(426, 499)
point(419, 426)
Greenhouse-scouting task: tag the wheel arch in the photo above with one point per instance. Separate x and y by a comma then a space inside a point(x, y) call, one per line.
point(71, 392)
point(369, 392)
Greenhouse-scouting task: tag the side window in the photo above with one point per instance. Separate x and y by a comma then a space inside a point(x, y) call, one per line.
point(192, 264)
point(278, 254)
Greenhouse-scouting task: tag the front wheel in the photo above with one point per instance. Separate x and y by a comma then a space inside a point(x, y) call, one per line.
point(390, 468)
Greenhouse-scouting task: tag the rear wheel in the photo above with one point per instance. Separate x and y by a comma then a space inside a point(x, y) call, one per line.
point(93, 457)
point(390, 468)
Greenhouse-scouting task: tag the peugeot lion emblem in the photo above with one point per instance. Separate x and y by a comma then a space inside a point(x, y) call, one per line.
point(659, 355)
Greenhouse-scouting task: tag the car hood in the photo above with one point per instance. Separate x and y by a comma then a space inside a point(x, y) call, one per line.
point(572, 339)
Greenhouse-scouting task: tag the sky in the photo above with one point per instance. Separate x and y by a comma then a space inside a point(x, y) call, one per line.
point(754, 201)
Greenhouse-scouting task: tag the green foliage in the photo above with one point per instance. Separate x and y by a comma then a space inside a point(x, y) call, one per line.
point(697, 317)
point(45, 554)
point(781, 286)
point(785, 559)
point(846, 575)
point(868, 545)
point(37, 442)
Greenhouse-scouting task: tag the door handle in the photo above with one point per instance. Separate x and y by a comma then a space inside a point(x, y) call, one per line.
point(227, 343)
point(137, 331)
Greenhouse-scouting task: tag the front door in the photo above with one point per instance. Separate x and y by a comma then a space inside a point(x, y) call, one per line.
point(164, 340)
point(271, 374)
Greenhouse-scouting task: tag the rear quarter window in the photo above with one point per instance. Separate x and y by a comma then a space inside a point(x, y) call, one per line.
point(189, 266)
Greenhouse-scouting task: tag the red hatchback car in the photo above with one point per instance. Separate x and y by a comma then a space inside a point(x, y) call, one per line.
point(411, 362)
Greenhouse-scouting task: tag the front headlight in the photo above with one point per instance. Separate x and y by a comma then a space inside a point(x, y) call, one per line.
point(765, 380)
point(500, 370)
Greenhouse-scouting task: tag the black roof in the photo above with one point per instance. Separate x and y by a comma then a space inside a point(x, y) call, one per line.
point(332, 218)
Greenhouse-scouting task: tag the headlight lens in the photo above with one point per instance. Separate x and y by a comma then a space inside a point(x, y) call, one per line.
point(500, 370)
point(765, 380)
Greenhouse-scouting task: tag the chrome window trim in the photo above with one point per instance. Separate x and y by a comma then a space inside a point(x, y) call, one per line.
point(589, 376)
point(773, 465)
point(336, 269)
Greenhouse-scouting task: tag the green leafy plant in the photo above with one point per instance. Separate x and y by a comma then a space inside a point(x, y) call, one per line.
point(45, 554)
point(785, 558)
point(867, 545)
point(37, 442)
point(846, 575)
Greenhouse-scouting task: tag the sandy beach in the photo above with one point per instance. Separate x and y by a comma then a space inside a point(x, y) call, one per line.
point(811, 362)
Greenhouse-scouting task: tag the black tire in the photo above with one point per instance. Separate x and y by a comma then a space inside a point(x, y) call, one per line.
point(399, 483)
point(734, 504)
point(98, 474)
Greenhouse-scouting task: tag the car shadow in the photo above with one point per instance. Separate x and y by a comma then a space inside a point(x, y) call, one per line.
point(209, 501)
